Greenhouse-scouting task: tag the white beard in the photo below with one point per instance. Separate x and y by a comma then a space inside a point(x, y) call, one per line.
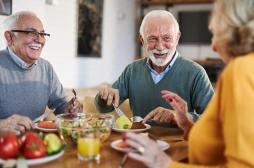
point(162, 61)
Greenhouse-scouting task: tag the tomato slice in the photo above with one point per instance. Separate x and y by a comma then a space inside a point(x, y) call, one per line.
point(122, 144)
point(47, 124)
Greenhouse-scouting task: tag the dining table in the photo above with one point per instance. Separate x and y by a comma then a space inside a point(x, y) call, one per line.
point(111, 158)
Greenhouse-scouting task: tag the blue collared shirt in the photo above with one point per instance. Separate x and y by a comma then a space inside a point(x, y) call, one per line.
point(19, 61)
point(157, 77)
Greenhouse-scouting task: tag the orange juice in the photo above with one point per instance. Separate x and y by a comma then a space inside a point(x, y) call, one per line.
point(88, 148)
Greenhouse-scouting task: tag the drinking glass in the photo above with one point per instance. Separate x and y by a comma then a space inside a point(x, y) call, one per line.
point(91, 137)
point(89, 144)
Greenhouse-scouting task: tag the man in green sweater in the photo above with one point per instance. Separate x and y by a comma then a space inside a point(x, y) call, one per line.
point(162, 69)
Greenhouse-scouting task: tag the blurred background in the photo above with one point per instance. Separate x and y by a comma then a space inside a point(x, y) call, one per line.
point(92, 41)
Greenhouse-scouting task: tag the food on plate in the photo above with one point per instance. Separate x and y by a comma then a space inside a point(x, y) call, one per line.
point(53, 143)
point(47, 124)
point(138, 125)
point(9, 146)
point(33, 146)
point(123, 122)
point(122, 144)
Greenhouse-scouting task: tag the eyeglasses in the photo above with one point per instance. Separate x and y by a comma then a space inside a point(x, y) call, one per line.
point(33, 33)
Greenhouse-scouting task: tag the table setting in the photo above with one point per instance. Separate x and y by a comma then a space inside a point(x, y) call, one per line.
point(94, 140)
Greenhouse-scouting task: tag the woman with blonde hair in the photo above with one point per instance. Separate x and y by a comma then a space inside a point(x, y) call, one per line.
point(223, 136)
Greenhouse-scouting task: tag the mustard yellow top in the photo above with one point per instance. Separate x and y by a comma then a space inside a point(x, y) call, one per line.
point(224, 135)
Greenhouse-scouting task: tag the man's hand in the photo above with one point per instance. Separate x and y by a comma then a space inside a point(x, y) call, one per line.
point(74, 106)
point(109, 95)
point(160, 115)
point(16, 123)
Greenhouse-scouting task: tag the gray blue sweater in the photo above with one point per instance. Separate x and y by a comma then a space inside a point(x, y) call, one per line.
point(186, 78)
point(28, 91)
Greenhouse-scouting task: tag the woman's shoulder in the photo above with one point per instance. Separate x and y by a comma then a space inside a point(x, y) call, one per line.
point(240, 66)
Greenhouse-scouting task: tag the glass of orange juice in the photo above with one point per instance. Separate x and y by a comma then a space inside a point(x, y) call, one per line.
point(90, 137)
point(89, 143)
point(88, 148)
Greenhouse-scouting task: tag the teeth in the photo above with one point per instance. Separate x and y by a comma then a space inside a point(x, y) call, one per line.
point(35, 46)
point(160, 52)
point(160, 55)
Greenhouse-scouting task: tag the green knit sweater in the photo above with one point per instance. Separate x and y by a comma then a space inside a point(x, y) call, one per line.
point(186, 78)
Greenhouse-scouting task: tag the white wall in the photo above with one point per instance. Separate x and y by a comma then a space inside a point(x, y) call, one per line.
point(60, 21)
point(118, 41)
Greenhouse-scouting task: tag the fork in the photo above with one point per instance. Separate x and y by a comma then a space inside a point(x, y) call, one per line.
point(123, 161)
point(75, 93)
point(125, 157)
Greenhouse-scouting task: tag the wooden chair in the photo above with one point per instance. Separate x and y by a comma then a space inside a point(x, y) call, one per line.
point(89, 107)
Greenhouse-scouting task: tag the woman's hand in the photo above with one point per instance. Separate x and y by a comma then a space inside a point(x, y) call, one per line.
point(146, 151)
point(180, 107)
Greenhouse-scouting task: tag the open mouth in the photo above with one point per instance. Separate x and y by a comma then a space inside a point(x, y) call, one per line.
point(35, 46)
point(158, 55)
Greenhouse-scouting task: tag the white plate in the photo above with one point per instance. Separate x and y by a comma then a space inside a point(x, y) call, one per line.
point(163, 145)
point(44, 129)
point(46, 159)
point(132, 130)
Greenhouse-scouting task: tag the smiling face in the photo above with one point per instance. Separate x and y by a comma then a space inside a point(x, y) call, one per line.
point(27, 47)
point(160, 39)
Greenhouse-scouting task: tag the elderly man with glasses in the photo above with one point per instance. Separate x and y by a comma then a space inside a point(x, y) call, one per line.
point(28, 83)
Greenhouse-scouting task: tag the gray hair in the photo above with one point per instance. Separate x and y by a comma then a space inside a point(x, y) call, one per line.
point(157, 13)
point(235, 19)
point(11, 21)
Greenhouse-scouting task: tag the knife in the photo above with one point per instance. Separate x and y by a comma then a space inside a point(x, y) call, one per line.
point(118, 110)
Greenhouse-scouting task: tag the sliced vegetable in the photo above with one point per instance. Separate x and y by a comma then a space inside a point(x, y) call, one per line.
point(123, 122)
point(53, 143)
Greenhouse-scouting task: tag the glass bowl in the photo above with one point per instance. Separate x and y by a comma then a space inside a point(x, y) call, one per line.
point(72, 126)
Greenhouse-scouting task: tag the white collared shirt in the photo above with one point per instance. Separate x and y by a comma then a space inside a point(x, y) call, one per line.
point(157, 77)
point(19, 61)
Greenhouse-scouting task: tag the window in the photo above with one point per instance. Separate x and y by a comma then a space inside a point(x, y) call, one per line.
point(194, 27)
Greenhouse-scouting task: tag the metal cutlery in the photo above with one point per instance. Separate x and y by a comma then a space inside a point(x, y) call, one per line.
point(136, 119)
point(123, 161)
point(118, 110)
point(75, 93)
point(125, 157)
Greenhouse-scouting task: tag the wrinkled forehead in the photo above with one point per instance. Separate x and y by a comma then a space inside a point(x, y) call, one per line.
point(161, 25)
point(29, 22)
